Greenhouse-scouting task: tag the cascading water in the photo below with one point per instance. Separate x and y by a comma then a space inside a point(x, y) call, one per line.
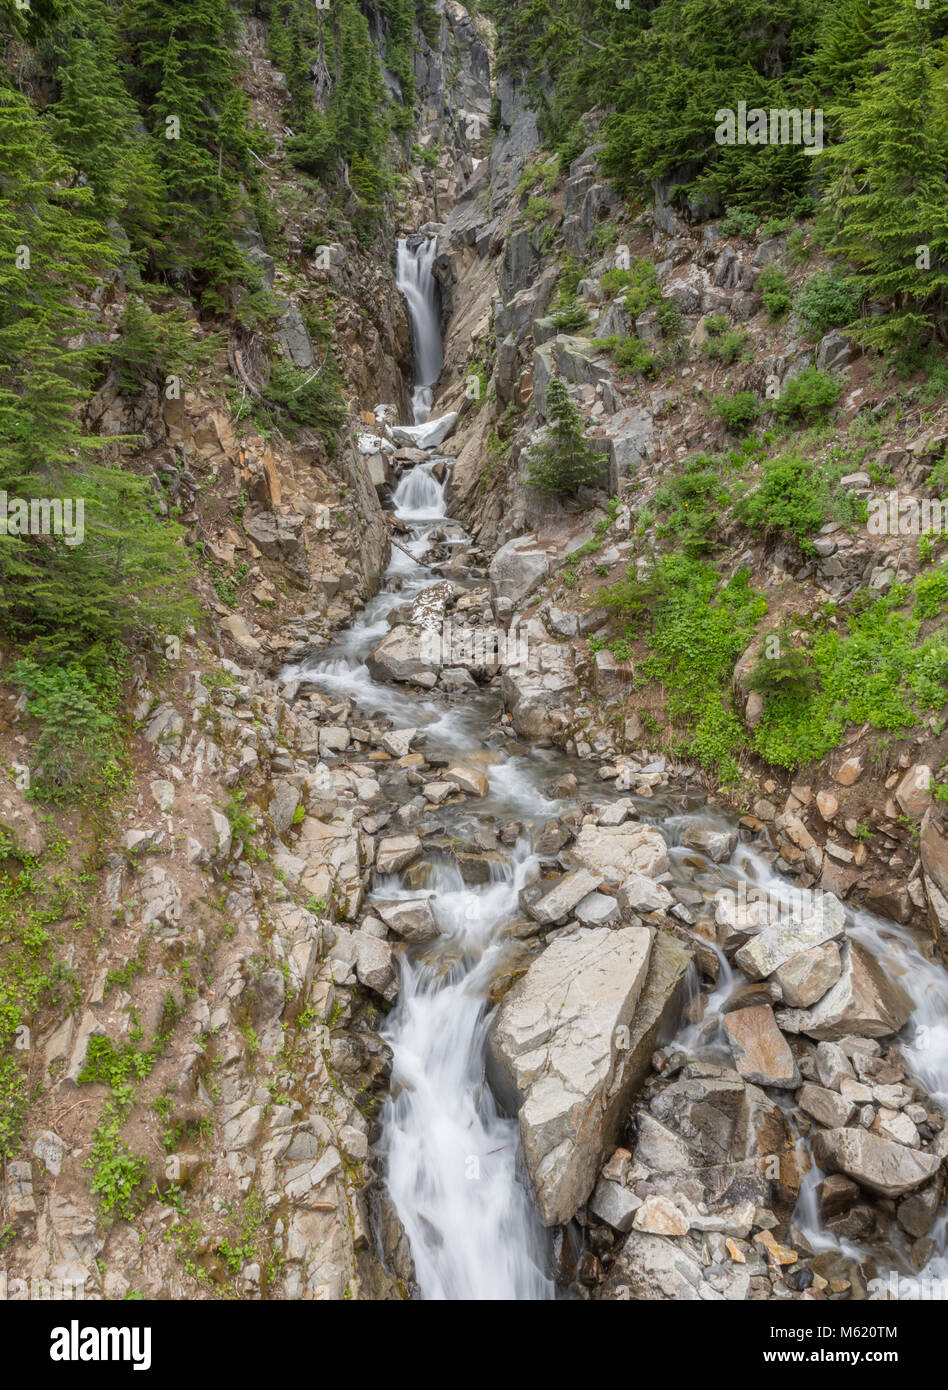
point(453, 1161)
point(415, 282)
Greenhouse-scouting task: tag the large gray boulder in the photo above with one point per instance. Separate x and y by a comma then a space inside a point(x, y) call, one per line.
point(555, 1042)
point(407, 654)
point(616, 852)
point(515, 571)
point(864, 1001)
point(878, 1164)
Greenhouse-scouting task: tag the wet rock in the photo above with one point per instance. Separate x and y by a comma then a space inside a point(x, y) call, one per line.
point(880, 1165)
point(412, 919)
point(818, 918)
point(555, 906)
point(408, 655)
point(597, 910)
point(709, 839)
point(660, 1217)
point(864, 1001)
point(917, 1213)
point(375, 968)
point(760, 1050)
point(643, 895)
point(833, 1066)
point(555, 1042)
point(616, 853)
point(655, 1268)
point(806, 977)
point(468, 779)
point(837, 1194)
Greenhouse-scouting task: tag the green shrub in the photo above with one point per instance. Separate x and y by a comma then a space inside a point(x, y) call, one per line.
point(789, 674)
point(826, 300)
point(790, 500)
point(738, 411)
point(154, 346)
point(775, 291)
point(631, 354)
point(297, 398)
point(691, 504)
point(537, 211)
point(722, 342)
point(808, 397)
point(738, 222)
point(78, 745)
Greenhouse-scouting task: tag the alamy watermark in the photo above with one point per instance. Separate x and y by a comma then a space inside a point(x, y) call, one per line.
point(475, 646)
point(748, 904)
point(43, 516)
point(779, 126)
point(897, 515)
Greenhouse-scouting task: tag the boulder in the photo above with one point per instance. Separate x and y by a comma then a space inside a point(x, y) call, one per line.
point(396, 853)
point(468, 779)
point(863, 1001)
point(761, 1052)
point(406, 654)
point(614, 1204)
point(805, 978)
point(556, 905)
point(809, 921)
point(617, 852)
point(829, 1108)
point(410, 918)
point(515, 571)
point(555, 1042)
point(717, 843)
point(880, 1165)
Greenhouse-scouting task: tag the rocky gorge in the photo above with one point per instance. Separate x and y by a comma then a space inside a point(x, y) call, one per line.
point(417, 962)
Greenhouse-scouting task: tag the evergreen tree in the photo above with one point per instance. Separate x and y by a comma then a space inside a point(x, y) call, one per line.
point(887, 180)
point(566, 460)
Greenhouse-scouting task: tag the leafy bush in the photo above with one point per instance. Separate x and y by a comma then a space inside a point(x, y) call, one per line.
point(808, 397)
point(154, 346)
point(631, 354)
point(566, 460)
point(738, 411)
point(722, 342)
point(826, 300)
point(691, 503)
point(738, 222)
point(789, 674)
point(78, 743)
point(775, 291)
point(309, 398)
point(537, 211)
point(790, 499)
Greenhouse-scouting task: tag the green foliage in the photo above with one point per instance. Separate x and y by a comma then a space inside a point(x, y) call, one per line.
point(790, 500)
point(75, 705)
point(738, 223)
point(154, 346)
point(566, 460)
point(738, 411)
point(722, 342)
point(775, 291)
point(885, 195)
point(631, 354)
point(697, 629)
point(297, 398)
point(690, 505)
point(787, 675)
point(826, 300)
point(807, 398)
point(876, 671)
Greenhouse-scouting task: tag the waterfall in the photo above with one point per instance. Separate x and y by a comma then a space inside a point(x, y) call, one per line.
point(416, 283)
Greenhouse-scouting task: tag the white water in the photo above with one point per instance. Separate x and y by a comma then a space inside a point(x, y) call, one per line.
point(452, 1159)
point(414, 280)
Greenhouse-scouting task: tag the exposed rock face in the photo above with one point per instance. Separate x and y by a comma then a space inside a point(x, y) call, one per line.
point(934, 854)
point(556, 1044)
point(515, 571)
point(539, 695)
point(878, 1164)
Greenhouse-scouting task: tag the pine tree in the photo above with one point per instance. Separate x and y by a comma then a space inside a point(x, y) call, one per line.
point(566, 460)
point(887, 180)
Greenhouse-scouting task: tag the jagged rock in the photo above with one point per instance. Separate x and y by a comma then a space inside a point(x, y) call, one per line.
point(643, 895)
point(656, 1268)
point(555, 1042)
point(913, 793)
point(933, 847)
point(406, 654)
point(283, 803)
point(556, 905)
point(614, 1204)
point(878, 1164)
point(805, 978)
point(375, 968)
point(426, 436)
point(617, 852)
point(597, 910)
point(863, 1001)
point(412, 918)
point(807, 923)
point(160, 898)
point(761, 1052)
point(709, 839)
point(828, 1107)
point(279, 537)
point(396, 853)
